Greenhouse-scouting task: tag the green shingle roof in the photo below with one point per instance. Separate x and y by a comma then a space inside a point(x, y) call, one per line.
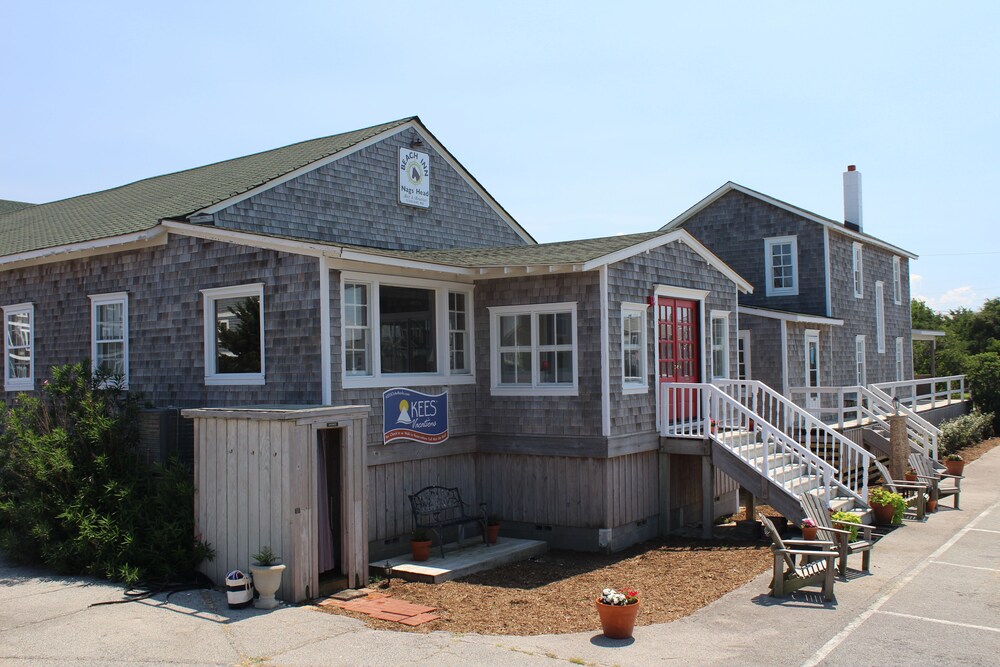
point(9, 206)
point(141, 205)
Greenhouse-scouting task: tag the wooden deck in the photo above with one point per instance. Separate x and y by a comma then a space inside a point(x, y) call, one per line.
point(470, 557)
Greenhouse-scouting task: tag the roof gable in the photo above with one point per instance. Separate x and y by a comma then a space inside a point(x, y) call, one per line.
point(9, 206)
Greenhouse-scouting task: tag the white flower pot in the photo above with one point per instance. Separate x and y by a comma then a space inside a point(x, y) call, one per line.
point(267, 581)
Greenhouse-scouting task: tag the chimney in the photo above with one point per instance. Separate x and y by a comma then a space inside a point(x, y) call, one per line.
point(852, 199)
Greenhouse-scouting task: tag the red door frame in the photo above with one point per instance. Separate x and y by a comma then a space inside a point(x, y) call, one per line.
point(678, 340)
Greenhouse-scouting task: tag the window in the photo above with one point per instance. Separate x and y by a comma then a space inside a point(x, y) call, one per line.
point(743, 370)
point(899, 360)
point(859, 361)
point(234, 335)
point(897, 281)
point(420, 332)
point(859, 277)
point(19, 344)
point(534, 349)
point(781, 261)
point(812, 372)
point(109, 336)
point(720, 344)
point(634, 348)
point(880, 317)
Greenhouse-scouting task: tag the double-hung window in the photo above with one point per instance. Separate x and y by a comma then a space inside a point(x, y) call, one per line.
point(859, 361)
point(234, 335)
point(19, 347)
point(405, 330)
point(858, 270)
point(634, 348)
point(897, 281)
point(720, 344)
point(534, 349)
point(109, 336)
point(880, 317)
point(781, 266)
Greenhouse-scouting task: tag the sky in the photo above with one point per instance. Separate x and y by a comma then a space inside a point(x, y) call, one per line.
point(583, 119)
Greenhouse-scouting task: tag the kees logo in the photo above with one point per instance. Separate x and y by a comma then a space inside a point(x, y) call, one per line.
point(411, 415)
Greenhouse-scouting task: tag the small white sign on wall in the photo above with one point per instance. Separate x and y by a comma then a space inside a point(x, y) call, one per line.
point(414, 178)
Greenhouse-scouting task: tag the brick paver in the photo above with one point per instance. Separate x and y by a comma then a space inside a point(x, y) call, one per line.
point(381, 606)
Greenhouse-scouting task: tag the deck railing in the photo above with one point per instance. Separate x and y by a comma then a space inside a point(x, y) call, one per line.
point(926, 393)
point(699, 410)
point(851, 461)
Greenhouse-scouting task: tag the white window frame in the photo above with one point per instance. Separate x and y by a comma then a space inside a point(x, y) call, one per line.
point(19, 384)
point(812, 398)
point(444, 374)
point(860, 361)
point(769, 288)
point(899, 360)
point(858, 269)
point(97, 300)
point(723, 347)
point(535, 388)
point(743, 341)
point(880, 316)
point(209, 296)
point(897, 280)
point(630, 386)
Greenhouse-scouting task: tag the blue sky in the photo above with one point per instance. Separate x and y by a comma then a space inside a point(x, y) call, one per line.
point(582, 119)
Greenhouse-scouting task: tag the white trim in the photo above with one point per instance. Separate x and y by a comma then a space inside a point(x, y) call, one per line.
point(722, 315)
point(769, 243)
point(325, 360)
point(212, 377)
point(535, 388)
point(897, 280)
point(631, 387)
point(104, 300)
point(790, 317)
point(602, 273)
point(672, 292)
point(858, 269)
point(744, 337)
point(832, 225)
point(812, 398)
point(880, 316)
point(385, 260)
point(376, 378)
point(308, 248)
point(827, 272)
point(900, 365)
point(19, 384)
point(112, 244)
point(927, 334)
point(784, 358)
point(860, 346)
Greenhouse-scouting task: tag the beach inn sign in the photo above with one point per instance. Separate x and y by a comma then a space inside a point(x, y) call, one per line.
point(414, 178)
point(411, 415)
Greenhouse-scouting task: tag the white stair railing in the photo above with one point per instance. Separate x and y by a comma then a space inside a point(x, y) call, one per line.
point(850, 459)
point(699, 410)
point(925, 392)
point(923, 435)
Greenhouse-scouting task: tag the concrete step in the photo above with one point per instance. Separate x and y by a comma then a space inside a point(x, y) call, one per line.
point(462, 560)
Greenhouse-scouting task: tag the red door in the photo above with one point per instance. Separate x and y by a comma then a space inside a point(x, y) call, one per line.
point(677, 337)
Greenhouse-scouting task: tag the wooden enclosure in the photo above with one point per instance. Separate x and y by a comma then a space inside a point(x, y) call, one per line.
point(256, 484)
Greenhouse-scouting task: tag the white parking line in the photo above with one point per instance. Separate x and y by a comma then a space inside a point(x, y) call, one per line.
point(839, 638)
point(970, 567)
point(941, 621)
point(986, 530)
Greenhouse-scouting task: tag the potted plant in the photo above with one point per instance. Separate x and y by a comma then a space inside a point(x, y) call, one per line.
point(955, 464)
point(492, 528)
point(910, 475)
point(809, 529)
point(420, 544)
point(887, 505)
point(266, 577)
point(847, 518)
point(618, 610)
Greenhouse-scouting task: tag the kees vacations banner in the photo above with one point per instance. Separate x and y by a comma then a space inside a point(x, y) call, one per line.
point(412, 415)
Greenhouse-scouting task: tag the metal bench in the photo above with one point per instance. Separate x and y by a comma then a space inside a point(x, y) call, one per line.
point(439, 507)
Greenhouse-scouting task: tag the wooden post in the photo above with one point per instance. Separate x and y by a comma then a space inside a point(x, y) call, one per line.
point(707, 497)
point(664, 522)
point(750, 502)
point(898, 446)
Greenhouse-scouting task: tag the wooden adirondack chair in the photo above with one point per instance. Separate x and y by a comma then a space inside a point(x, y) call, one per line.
point(912, 492)
point(941, 483)
point(817, 510)
point(787, 576)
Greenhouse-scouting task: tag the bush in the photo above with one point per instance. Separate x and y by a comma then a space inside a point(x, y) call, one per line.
point(983, 371)
point(964, 431)
point(847, 517)
point(76, 495)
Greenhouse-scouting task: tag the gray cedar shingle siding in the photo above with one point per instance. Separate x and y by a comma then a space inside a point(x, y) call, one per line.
point(166, 329)
point(633, 280)
point(354, 200)
point(765, 349)
point(734, 228)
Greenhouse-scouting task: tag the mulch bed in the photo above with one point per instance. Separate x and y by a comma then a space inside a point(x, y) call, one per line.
point(975, 451)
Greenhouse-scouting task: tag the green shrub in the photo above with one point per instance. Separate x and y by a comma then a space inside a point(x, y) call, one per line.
point(76, 495)
point(846, 517)
point(983, 371)
point(964, 431)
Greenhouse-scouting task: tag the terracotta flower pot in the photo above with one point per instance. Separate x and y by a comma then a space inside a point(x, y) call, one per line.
point(932, 505)
point(421, 550)
point(491, 533)
point(911, 476)
point(955, 467)
point(617, 621)
point(883, 513)
point(809, 532)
